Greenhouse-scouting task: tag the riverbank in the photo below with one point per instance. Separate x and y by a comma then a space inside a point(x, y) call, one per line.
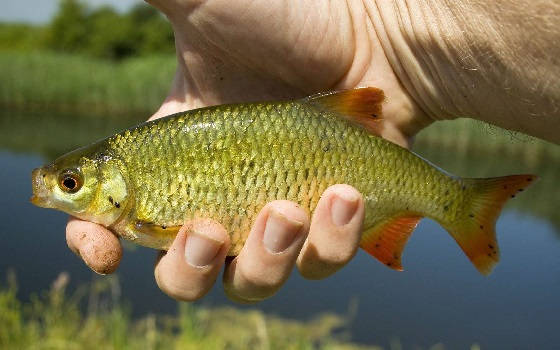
point(42, 80)
point(56, 320)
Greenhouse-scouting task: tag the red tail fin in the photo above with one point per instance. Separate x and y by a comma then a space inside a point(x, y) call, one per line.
point(475, 232)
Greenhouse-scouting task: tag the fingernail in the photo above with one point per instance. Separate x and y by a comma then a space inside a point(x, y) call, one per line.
point(343, 208)
point(279, 232)
point(200, 249)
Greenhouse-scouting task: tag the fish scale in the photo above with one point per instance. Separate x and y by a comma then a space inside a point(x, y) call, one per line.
point(215, 169)
point(226, 162)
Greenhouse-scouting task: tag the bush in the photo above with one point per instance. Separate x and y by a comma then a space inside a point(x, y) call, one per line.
point(102, 32)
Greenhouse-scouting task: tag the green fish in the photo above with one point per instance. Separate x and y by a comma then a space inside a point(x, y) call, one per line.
point(226, 162)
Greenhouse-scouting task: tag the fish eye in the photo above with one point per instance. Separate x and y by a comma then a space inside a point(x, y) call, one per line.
point(70, 181)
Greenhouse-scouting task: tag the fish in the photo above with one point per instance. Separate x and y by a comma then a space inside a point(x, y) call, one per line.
point(226, 162)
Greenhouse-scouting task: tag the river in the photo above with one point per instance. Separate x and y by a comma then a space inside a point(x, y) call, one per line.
point(439, 298)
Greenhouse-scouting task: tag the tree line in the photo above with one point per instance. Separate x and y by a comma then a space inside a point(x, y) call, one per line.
point(101, 32)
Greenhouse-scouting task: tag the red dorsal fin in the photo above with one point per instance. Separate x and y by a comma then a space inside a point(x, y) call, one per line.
point(386, 240)
point(360, 106)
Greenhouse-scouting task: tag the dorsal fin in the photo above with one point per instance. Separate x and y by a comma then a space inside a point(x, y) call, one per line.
point(360, 106)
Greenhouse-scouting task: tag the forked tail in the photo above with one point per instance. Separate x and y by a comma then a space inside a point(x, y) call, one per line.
point(475, 230)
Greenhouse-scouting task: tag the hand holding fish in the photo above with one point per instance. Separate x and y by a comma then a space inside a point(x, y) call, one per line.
point(232, 52)
point(283, 232)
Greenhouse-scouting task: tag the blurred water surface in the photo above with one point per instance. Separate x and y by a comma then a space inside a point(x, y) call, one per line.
point(439, 298)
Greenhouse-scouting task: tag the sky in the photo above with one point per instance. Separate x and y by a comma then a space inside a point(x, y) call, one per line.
point(40, 11)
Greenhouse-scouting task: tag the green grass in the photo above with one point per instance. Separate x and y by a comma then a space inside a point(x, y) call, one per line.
point(53, 81)
point(54, 320)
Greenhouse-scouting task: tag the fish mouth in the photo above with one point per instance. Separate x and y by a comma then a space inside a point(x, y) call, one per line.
point(40, 196)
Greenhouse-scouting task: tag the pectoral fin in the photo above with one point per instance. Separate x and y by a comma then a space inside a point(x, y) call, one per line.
point(157, 232)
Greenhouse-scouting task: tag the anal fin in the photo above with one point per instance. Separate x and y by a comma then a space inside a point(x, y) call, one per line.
point(386, 240)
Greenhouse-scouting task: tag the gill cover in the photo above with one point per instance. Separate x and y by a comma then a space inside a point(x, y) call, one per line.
point(85, 184)
point(111, 197)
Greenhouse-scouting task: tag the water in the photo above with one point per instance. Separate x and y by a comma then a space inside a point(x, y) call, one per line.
point(439, 298)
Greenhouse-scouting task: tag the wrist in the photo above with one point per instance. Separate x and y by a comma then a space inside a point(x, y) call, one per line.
point(371, 66)
point(467, 59)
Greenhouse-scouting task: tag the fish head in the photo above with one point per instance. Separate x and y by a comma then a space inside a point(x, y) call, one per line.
point(89, 186)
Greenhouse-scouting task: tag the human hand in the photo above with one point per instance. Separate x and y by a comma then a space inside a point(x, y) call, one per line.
point(243, 51)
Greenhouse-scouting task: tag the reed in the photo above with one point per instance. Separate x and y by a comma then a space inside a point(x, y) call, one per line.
point(43, 80)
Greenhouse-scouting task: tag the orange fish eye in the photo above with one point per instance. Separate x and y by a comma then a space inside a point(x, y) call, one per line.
point(70, 181)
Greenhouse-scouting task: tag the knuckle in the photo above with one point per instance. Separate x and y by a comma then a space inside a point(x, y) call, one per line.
point(235, 296)
point(258, 279)
point(254, 284)
point(178, 291)
point(335, 259)
point(318, 269)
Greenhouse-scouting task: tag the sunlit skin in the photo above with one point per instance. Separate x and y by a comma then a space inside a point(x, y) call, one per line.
point(243, 51)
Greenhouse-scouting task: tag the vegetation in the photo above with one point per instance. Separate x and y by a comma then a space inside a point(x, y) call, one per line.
point(55, 320)
point(100, 32)
point(94, 60)
point(65, 82)
point(20, 37)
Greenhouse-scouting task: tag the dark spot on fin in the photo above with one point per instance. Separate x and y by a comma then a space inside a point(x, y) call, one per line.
point(110, 199)
point(477, 236)
point(392, 234)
